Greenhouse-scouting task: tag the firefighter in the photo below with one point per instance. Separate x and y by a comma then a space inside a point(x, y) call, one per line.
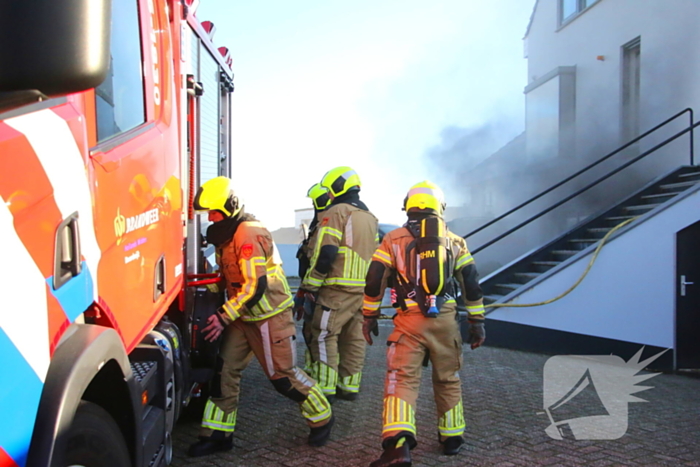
point(320, 200)
point(423, 253)
point(256, 319)
point(334, 285)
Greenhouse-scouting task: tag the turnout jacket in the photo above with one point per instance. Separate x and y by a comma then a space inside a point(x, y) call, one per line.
point(346, 237)
point(255, 283)
point(390, 258)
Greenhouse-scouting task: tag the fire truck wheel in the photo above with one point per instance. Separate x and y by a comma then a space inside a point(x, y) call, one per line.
point(94, 439)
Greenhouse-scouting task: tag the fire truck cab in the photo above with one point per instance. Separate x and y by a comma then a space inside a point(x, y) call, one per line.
point(112, 113)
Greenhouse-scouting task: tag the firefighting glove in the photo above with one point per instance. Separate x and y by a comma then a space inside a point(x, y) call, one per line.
point(299, 304)
point(370, 326)
point(477, 333)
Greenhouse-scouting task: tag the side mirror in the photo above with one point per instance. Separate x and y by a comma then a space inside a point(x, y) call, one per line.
point(54, 46)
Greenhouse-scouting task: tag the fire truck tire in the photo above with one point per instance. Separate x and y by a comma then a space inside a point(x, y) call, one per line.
point(94, 439)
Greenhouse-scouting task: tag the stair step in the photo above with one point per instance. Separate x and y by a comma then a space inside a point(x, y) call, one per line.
point(660, 195)
point(671, 186)
point(618, 218)
point(527, 275)
point(492, 298)
point(565, 252)
point(509, 286)
point(546, 263)
point(690, 174)
point(599, 230)
point(584, 240)
point(641, 207)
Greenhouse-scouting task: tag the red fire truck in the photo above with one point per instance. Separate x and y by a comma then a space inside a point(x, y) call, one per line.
point(111, 114)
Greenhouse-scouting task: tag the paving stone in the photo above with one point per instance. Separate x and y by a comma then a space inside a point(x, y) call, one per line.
point(503, 401)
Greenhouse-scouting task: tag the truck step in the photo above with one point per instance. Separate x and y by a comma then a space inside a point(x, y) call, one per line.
point(153, 427)
point(158, 458)
point(144, 372)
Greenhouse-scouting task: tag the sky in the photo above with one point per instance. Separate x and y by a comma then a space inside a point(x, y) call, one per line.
point(382, 86)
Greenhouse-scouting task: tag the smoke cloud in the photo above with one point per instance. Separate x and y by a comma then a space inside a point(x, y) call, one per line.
point(461, 150)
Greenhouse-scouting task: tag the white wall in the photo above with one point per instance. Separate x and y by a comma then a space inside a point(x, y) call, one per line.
point(303, 216)
point(670, 61)
point(628, 295)
point(288, 253)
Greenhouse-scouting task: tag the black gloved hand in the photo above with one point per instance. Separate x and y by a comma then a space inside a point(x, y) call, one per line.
point(477, 333)
point(370, 326)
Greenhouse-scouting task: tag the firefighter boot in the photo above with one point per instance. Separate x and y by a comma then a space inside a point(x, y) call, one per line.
point(452, 445)
point(319, 435)
point(346, 395)
point(397, 451)
point(206, 445)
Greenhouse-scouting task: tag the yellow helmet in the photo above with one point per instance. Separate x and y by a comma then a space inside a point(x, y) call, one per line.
point(217, 195)
point(425, 195)
point(340, 180)
point(319, 196)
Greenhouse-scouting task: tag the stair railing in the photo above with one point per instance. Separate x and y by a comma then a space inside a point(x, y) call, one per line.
point(689, 129)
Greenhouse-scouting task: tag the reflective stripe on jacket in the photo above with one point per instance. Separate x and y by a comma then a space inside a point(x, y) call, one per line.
point(351, 232)
point(244, 261)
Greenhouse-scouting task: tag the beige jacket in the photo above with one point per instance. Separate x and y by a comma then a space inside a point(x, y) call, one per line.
point(344, 244)
point(244, 261)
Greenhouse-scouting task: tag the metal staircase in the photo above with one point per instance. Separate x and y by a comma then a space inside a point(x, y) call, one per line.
point(505, 283)
point(498, 286)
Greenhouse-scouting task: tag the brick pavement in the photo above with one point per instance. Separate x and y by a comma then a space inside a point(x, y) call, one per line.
point(502, 399)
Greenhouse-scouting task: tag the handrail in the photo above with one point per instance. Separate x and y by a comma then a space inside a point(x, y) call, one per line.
point(590, 185)
point(195, 280)
point(588, 167)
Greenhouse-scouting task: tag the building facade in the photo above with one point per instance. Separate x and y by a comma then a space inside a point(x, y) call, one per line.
point(600, 73)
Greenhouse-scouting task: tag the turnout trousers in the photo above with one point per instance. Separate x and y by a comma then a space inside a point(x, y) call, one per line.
point(272, 342)
point(337, 345)
point(413, 336)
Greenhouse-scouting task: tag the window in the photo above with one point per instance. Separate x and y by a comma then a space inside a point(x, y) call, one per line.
point(570, 8)
point(120, 98)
